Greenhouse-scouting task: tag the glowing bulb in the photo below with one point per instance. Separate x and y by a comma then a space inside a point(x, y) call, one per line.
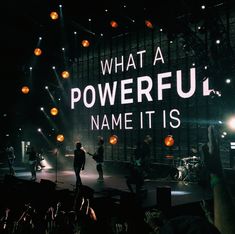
point(148, 24)
point(85, 43)
point(54, 111)
point(113, 140)
point(60, 138)
point(54, 15)
point(113, 24)
point(169, 140)
point(37, 51)
point(25, 89)
point(65, 74)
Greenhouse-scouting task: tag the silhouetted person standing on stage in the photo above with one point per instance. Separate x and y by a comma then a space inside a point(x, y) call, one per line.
point(143, 154)
point(32, 161)
point(10, 153)
point(79, 163)
point(139, 167)
point(98, 156)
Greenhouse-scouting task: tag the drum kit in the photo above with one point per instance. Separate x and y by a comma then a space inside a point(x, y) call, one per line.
point(188, 169)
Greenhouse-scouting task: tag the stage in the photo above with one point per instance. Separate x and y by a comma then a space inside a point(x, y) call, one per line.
point(114, 185)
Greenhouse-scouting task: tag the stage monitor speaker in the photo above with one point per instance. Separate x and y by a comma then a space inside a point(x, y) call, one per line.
point(48, 184)
point(163, 198)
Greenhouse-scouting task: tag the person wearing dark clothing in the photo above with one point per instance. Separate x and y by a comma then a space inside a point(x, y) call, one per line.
point(79, 163)
point(136, 177)
point(145, 155)
point(98, 156)
point(139, 167)
point(32, 161)
point(142, 155)
point(11, 159)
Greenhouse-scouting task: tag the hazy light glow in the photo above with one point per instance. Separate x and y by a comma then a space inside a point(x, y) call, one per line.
point(178, 193)
point(231, 123)
point(228, 81)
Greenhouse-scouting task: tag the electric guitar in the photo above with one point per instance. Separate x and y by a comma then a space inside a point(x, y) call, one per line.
point(94, 156)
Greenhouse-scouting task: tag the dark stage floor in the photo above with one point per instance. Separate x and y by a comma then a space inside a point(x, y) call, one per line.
point(114, 184)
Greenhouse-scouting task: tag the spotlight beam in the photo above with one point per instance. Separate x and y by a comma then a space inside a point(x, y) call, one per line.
point(79, 26)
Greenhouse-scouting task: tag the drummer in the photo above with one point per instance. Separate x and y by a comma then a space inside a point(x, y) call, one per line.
point(193, 152)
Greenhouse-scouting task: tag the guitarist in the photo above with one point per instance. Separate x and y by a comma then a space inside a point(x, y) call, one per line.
point(98, 156)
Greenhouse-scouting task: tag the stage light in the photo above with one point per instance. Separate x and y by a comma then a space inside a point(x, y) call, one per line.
point(40, 38)
point(65, 74)
point(85, 43)
point(41, 109)
point(46, 87)
point(53, 67)
point(37, 51)
point(228, 81)
point(231, 123)
point(113, 140)
point(54, 111)
point(30, 68)
point(54, 15)
point(25, 89)
point(60, 138)
point(39, 129)
point(148, 24)
point(169, 140)
point(113, 24)
point(217, 41)
point(169, 156)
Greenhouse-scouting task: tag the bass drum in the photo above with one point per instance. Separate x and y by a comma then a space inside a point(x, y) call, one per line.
point(182, 172)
